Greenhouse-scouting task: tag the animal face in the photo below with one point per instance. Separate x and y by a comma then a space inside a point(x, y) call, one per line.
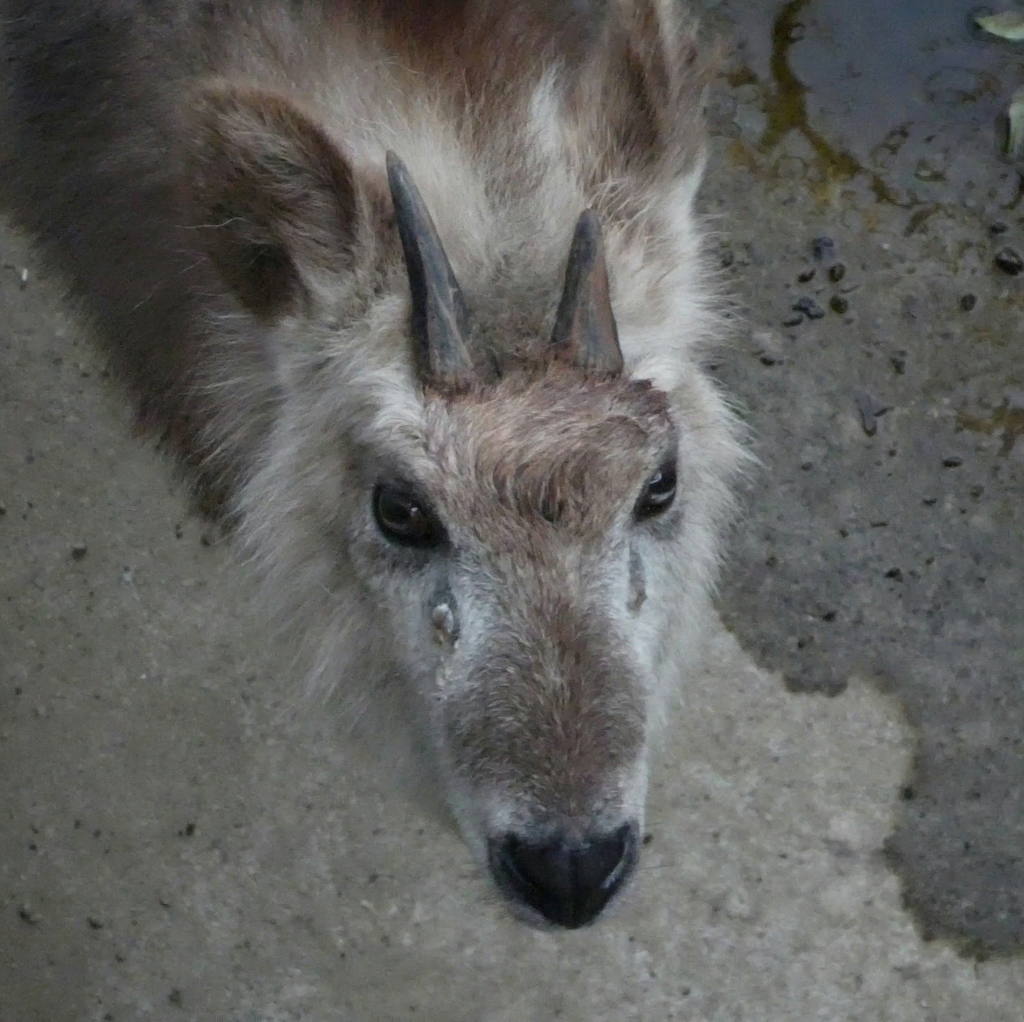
point(517, 555)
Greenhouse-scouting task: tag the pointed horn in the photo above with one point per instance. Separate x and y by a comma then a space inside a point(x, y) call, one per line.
point(585, 332)
point(440, 318)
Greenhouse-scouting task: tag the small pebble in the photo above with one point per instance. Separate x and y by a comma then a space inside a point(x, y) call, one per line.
point(823, 249)
point(837, 303)
point(23, 279)
point(836, 273)
point(26, 915)
point(806, 275)
point(767, 345)
point(869, 410)
point(740, 905)
point(78, 551)
point(998, 227)
point(954, 461)
point(898, 361)
point(809, 307)
point(793, 320)
point(1009, 261)
point(175, 998)
point(967, 302)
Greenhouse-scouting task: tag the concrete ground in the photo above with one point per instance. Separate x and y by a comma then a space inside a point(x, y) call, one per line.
point(179, 839)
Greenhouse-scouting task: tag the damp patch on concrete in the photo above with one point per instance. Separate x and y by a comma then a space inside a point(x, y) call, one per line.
point(886, 545)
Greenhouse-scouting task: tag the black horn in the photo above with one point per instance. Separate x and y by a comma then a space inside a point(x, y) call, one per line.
point(440, 318)
point(585, 332)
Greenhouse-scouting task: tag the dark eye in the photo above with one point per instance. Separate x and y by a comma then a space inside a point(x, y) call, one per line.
point(658, 494)
point(404, 518)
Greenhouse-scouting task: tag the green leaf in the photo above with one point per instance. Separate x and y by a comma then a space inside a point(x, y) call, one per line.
point(1008, 25)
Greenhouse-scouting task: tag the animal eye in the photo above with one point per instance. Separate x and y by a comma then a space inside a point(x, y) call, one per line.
point(404, 518)
point(659, 493)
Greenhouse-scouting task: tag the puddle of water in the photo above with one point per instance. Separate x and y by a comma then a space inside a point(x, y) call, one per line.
point(906, 96)
point(786, 105)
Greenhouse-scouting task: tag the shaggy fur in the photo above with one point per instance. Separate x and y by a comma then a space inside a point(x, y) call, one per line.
point(208, 177)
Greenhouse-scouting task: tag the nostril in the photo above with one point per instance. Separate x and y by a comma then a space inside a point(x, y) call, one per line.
point(600, 862)
point(539, 871)
point(567, 882)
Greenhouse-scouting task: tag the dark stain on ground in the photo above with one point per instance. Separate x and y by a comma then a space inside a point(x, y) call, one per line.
point(1008, 422)
point(897, 555)
point(919, 218)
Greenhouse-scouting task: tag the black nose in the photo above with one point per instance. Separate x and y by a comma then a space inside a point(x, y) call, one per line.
point(567, 882)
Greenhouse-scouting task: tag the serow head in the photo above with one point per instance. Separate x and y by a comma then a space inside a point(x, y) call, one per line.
point(484, 537)
point(528, 537)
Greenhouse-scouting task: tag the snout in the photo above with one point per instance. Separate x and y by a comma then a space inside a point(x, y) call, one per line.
point(566, 881)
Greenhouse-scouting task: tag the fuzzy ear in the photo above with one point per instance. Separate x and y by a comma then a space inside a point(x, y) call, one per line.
point(643, 101)
point(274, 197)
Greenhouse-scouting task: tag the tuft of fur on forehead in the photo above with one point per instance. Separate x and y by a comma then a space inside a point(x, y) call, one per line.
point(547, 448)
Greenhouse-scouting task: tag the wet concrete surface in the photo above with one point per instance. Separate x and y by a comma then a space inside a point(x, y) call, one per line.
point(887, 545)
point(171, 848)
